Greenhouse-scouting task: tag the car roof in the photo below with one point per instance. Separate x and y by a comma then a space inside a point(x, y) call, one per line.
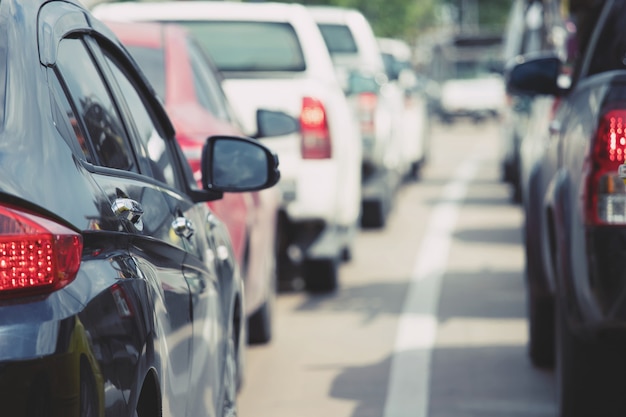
point(396, 47)
point(335, 14)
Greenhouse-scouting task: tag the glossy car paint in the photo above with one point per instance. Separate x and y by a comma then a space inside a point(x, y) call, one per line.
point(250, 217)
point(152, 319)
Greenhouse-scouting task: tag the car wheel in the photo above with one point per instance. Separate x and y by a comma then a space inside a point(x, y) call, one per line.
point(590, 374)
point(541, 330)
point(346, 254)
point(260, 324)
point(415, 171)
point(374, 214)
point(321, 275)
point(88, 396)
point(230, 381)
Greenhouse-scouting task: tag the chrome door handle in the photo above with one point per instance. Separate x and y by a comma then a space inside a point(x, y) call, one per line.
point(183, 227)
point(130, 210)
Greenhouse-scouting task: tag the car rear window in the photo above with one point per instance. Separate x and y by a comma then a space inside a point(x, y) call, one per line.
point(338, 38)
point(152, 63)
point(249, 46)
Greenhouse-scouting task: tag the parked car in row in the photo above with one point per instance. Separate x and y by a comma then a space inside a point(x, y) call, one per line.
point(376, 104)
point(533, 26)
point(577, 205)
point(273, 56)
point(397, 56)
point(190, 86)
point(467, 68)
point(119, 292)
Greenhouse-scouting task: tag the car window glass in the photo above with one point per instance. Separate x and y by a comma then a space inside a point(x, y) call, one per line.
point(66, 121)
point(207, 87)
point(338, 38)
point(105, 135)
point(250, 46)
point(155, 146)
point(152, 63)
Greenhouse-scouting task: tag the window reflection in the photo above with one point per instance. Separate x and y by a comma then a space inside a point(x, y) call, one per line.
point(155, 146)
point(103, 126)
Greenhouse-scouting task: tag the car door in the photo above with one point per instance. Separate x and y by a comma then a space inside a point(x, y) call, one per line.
point(137, 188)
point(190, 227)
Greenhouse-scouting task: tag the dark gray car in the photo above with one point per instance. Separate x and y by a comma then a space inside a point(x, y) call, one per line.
point(119, 295)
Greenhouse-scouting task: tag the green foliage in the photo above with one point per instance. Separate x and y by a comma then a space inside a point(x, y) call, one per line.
point(389, 18)
point(406, 19)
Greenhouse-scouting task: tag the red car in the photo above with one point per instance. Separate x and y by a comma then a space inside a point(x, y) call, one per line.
point(190, 86)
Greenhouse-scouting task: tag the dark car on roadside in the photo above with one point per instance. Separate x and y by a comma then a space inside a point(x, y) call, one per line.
point(526, 32)
point(577, 281)
point(119, 293)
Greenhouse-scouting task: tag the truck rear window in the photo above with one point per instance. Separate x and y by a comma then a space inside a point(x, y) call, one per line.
point(249, 46)
point(338, 38)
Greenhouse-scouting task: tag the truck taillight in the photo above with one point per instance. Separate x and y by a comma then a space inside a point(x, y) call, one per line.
point(367, 112)
point(606, 192)
point(316, 142)
point(37, 255)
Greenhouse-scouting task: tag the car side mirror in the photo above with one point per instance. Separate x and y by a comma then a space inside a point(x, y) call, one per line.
point(237, 164)
point(275, 123)
point(534, 75)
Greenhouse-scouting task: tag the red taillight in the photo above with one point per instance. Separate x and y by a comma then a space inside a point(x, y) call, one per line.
point(606, 193)
point(36, 254)
point(314, 128)
point(367, 112)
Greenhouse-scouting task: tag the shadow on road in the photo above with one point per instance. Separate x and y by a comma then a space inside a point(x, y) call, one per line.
point(490, 381)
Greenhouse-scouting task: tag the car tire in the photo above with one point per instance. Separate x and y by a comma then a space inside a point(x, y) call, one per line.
point(229, 406)
point(590, 374)
point(374, 214)
point(541, 330)
point(260, 324)
point(88, 396)
point(321, 275)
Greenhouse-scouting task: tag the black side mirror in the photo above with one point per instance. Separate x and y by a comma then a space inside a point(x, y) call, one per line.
point(534, 75)
point(275, 123)
point(237, 164)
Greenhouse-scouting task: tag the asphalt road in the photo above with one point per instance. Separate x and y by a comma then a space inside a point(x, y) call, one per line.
point(429, 320)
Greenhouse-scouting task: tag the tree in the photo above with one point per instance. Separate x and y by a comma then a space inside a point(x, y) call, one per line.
point(402, 19)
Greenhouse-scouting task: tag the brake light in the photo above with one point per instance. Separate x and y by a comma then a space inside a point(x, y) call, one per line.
point(367, 112)
point(36, 254)
point(606, 193)
point(314, 128)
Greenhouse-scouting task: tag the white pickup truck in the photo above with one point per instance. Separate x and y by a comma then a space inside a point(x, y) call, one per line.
point(273, 56)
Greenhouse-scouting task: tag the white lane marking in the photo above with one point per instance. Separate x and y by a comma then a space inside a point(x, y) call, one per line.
point(408, 391)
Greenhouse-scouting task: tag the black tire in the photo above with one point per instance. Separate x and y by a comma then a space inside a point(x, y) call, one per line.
point(260, 324)
point(541, 331)
point(229, 406)
point(415, 171)
point(346, 254)
point(88, 396)
point(321, 275)
point(590, 374)
point(374, 214)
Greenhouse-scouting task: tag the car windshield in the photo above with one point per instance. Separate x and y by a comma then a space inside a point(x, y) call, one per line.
point(152, 63)
point(249, 46)
point(338, 39)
